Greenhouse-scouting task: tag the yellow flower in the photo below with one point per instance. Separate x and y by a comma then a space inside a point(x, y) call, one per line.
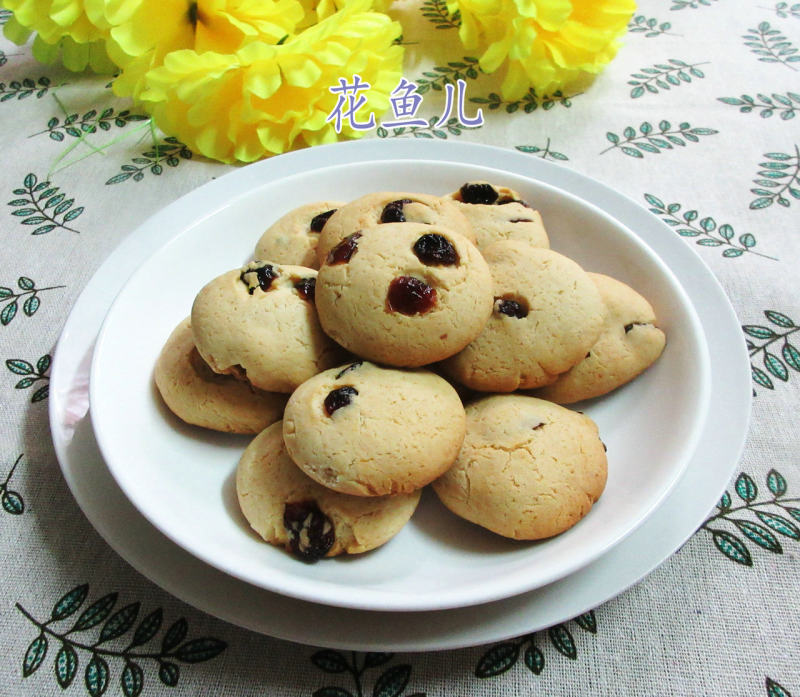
point(265, 99)
point(145, 31)
point(545, 44)
point(63, 30)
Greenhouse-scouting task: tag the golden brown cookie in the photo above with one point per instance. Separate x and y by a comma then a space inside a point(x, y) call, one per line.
point(528, 469)
point(289, 509)
point(199, 396)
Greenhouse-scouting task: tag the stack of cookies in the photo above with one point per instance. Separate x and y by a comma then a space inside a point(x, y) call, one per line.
point(401, 340)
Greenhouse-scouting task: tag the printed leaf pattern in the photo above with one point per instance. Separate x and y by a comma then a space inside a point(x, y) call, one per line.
point(31, 375)
point(44, 205)
point(777, 516)
point(170, 152)
point(529, 103)
point(773, 688)
point(784, 10)
point(22, 89)
point(689, 4)
point(778, 181)
point(390, 683)
point(11, 501)
point(439, 76)
point(649, 26)
point(704, 231)
point(435, 11)
point(501, 657)
point(649, 140)
point(452, 127)
point(662, 76)
point(102, 660)
point(786, 105)
point(771, 46)
point(546, 152)
point(28, 296)
point(779, 361)
point(75, 125)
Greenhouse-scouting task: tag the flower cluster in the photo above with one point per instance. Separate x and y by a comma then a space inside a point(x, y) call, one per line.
point(544, 44)
point(238, 80)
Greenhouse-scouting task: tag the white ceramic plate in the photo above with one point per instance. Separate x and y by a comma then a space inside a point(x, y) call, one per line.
point(182, 478)
point(204, 586)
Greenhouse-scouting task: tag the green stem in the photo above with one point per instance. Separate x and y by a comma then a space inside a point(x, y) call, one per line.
point(767, 47)
point(32, 290)
point(93, 648)
point(11, 473)
point(772, 341)
point(667, 72)
point(795, 174)
point(776, 502)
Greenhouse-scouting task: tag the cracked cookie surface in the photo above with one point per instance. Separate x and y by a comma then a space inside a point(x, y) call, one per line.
point(629, 343)
point(369, 430)
point(289, 509)
point(404, 294)
point(201, 397)
point(528, 469)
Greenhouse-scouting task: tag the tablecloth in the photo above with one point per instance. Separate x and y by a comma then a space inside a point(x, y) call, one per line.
point(697, 119)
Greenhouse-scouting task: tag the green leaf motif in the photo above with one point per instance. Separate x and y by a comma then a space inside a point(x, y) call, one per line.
point(374, 659)
point(69, 603)
point(779, 318)
point(663, 75)
point(147, 629)
point(776, 690)
point(651, 141)
point(132, 680)
point(96, 676)
point(562, 640)
point(19, 367)
point(587, 622)
point(66, 666)
point(776, 483)
point(169, 673)
point(95, 613)
point(392, 682)
point(119, 623)
point(732, 547)
point(12, 502)
point(759, 534)
point(779, 524)
point(175, 635)
point(34, 656)
point(746, 488)
point(497, 660)
point(199, 650)
point(330, 661)
point(534, 659)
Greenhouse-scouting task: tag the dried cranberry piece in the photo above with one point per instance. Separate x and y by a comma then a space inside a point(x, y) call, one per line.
point(630, 326)
point(338, 398)
point(512, 308)
point(348, 368)
point(478, 193)
point(311, 532)
point(306, 287)
point(435, 250)
point(393, 211)
point(344, 251)
point(410, 296)
point(264, 276)
point(512, 200)
point(318, 221)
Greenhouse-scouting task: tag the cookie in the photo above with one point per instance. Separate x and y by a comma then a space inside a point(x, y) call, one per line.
point(528, 469)
point(289, 509)
point(404, 294)
point(201, 397)
point(497, 213)
point(547, 314)
point(293, 238)
point(367, 430)
point(259, 323)
point(629, 343)
point(391, 207)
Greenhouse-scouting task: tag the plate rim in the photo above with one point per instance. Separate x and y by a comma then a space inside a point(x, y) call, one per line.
point(217, 199)
point(740, 385)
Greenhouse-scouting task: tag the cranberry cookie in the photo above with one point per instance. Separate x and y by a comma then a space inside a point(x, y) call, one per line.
point(293, 238)
point(528, 469)
point(199, 396)
point(367, 430)
point(259, 323)
point(391, 207)
point(497, 213)
point(288, 509)
point(629, 343)
point(547, 314)
point(404, 294)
